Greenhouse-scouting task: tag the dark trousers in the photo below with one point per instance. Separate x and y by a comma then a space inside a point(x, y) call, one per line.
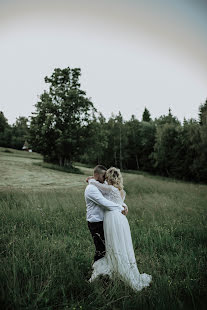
point(97, 233)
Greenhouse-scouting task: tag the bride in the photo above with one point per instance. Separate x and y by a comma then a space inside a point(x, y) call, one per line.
point(119, 259)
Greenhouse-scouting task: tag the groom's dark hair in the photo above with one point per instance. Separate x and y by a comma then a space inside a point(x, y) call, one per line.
point(99, 169)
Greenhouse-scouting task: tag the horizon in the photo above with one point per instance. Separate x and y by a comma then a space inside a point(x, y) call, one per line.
point(113, 114)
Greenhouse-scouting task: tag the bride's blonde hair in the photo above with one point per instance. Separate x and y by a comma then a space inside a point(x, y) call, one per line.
point(114, 177)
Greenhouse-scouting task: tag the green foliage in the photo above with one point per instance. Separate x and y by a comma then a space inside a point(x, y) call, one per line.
point(5, 131)
point(146, 117)
point(97, 141)
point(147, 136)
point(59, 124)
point(20, 132)
point(181, 151)
point(170, 119)
point(134, 145)
point(13, 136)
point(117, 142)
point(163, 146)
point(165, 149)
point(3, 122)
point(203, 113)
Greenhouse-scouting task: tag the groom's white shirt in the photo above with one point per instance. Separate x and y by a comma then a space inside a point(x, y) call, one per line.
point(96, 204)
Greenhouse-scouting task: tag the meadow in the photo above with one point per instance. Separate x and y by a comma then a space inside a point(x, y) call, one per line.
point(46, 249)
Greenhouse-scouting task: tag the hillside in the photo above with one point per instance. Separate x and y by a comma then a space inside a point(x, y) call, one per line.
point(46, 248)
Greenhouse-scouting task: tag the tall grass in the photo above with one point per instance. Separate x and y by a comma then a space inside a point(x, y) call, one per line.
point(47, 251)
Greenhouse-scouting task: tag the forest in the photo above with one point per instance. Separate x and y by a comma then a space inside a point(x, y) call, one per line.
point(66, 128)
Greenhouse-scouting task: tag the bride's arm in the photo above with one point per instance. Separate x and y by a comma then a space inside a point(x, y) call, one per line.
point(106, 188)
point(123, 194)
point(101, 186)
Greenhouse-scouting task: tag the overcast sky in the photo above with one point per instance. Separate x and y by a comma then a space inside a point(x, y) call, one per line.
point(132, 53)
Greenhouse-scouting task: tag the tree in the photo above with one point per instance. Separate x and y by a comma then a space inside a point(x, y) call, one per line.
point(119, 121)
point(166, 149)
point(57, 128)
point(133, 130)
point(146, 117)
point(3, 122)
point(97, 141)
point(169, 119)
point(191, 139)
point(5, 131)
point(147, 140)
point(20, 132)
point(113, 141)
point(203, 113)
point(202, 160)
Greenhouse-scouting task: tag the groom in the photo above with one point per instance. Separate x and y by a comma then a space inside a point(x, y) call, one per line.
point(96, 204)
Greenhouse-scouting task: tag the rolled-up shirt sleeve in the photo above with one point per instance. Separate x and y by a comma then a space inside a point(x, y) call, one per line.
point(95, 195)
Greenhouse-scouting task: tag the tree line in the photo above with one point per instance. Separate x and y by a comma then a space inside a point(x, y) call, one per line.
point(66, 127)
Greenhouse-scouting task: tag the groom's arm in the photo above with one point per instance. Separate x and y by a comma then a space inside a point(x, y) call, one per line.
point(95, 195)
point(106, 187)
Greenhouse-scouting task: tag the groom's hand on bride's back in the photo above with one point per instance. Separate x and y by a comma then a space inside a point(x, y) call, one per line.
point(125, 211)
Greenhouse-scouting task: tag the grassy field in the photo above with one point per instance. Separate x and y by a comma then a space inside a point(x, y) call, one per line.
point(46, 248)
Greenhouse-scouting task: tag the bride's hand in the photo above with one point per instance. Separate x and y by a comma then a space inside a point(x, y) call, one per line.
point(125, 211)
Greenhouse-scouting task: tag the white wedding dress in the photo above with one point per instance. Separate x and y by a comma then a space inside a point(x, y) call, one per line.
point(119, 259)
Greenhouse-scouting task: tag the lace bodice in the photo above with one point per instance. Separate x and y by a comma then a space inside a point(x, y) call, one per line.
point(109, 191)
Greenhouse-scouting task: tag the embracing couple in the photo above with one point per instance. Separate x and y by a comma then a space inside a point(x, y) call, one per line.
point(109, 227)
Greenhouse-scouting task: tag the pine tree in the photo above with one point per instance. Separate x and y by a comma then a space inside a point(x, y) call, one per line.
point(5, 131)
point(146, 117)
point(203, 113)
